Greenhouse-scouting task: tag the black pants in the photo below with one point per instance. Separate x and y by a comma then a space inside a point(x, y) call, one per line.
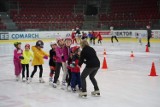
point(148, 41)
point(35, 70)
point(99, 41)
point(57, 71)
point(23, 70)
point(114, 37)
point(91, 72)
point(69, 77)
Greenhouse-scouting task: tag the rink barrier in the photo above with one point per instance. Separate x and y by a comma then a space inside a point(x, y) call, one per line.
point(53, 34)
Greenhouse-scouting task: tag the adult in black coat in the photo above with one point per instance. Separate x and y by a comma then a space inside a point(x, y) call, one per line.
point(89, 57)
point(149, 35)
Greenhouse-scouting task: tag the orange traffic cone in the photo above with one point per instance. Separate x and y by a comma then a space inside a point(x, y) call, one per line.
point(104, 52)
point(147, 49)
point(104, 66)
point(153, 70)
point(132, 55)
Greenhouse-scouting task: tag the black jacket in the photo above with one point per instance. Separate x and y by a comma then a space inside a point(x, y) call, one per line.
point(89, 57)
point(52, 59)
point(149, 33)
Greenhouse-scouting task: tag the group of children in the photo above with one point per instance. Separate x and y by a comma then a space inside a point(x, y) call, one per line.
point(61, 55)
point(23, 58)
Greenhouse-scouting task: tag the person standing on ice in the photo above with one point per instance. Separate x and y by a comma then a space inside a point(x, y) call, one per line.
point(38, 61)
point(149, 35)
point(139, 36)
point(27, 54)
point(89, 57)
point(52, 60)
point(99, 36)
point(113, 35)
point(17, 59)
point(61, 58)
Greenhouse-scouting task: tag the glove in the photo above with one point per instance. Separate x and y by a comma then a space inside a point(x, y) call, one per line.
point(72, 65)
point(21, 57)
point(45, 57)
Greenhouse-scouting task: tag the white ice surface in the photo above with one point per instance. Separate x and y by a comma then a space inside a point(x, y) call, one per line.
point(124, 84)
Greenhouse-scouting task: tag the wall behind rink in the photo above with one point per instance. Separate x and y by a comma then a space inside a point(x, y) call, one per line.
point(55, 34)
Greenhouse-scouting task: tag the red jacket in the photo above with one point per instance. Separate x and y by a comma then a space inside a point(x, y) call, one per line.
point(73, 35)
point(99, 36)
point(75, 60)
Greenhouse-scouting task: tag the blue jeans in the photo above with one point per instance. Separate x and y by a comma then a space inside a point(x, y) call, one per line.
point(75, 80)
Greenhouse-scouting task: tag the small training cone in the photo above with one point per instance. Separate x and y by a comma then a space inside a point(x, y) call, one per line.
point(104, 52)
point(104, 66)
point(153, 70)
point(147, 49)
point(132, 55)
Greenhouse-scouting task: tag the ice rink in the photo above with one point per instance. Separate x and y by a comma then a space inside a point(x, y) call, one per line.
point(124, 84)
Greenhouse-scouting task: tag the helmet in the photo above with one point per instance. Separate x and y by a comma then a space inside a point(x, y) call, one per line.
point(40, 43)
point(16, 43)
point(27, 45)
point(111, 27)
point(53, 43)
point(59, 38)
point(75, 48)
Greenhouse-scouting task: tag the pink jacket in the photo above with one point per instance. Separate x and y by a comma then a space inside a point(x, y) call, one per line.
point(17, 54)
point(61, 51)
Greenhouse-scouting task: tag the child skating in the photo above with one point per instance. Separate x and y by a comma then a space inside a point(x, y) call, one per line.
point(75, 69)
point(38, 61)
point(27, 55)
point(52, 60)
point(17, 60)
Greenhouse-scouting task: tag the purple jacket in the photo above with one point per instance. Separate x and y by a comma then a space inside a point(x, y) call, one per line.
point(61, 54)
point(17, 54)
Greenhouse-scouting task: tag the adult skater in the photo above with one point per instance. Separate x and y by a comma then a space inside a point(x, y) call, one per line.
point(149, 35)
point(89, 57)
point(113, 34)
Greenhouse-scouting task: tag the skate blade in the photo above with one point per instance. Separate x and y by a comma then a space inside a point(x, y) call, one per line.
point(96, 95)
point(83, 96)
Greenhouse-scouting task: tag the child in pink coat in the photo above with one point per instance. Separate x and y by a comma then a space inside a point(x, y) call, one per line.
point(17, 59)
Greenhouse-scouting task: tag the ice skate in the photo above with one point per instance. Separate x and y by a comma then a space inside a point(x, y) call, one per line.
point(63, 85)
point(69, 88)
point(73, 90)
point(50, 79)
point(58, 82)
point(30, 79)
point(41, 80)
point(83, 94)
point(95, 93)
point(17, 78)
point(54, 85)
point(23, 80)
point(27, 81)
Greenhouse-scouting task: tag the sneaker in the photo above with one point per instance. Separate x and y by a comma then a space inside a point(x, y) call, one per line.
point(23, 80)
point(54, 85)
point(41, 80)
